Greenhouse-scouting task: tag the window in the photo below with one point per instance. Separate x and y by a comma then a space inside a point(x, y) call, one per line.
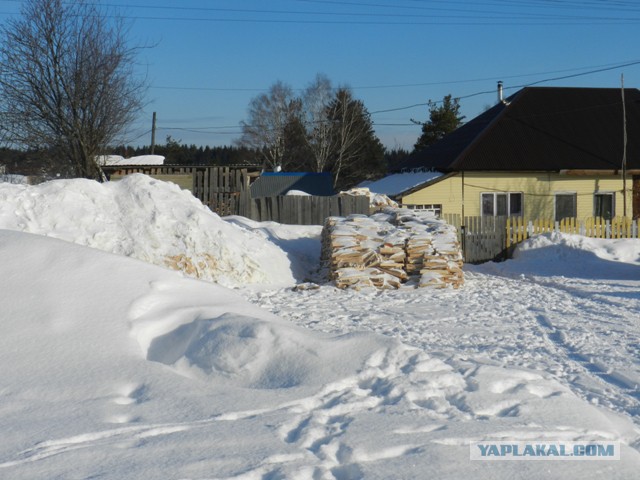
point(603, 205)
point(435, 208)
point(565, 206)
point(502, 204)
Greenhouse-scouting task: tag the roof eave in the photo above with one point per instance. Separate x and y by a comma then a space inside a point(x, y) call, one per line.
point(424, 185)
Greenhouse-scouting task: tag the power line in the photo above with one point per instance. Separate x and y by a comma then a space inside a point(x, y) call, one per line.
point(455, 12)
point(603, 67)
point(484, 92)
point(207, 130)
point(472, 18)
point(437, 21)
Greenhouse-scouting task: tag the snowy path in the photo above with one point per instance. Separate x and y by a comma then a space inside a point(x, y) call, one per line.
point(585, 333)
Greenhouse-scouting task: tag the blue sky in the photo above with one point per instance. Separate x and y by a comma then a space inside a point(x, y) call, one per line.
point(210, 57)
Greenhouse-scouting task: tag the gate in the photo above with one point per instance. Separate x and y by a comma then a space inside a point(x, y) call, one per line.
point(481, 238)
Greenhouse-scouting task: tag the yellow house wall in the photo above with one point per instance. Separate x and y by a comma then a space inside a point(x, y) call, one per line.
point(538, 189)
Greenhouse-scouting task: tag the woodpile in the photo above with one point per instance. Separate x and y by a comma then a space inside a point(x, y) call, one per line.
point(389, 249)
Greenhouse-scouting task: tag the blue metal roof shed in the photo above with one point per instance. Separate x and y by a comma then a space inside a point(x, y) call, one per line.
point(273, 184)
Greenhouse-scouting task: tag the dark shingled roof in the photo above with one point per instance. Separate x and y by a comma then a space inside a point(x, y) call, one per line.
point(542, 129)
point(271, 184)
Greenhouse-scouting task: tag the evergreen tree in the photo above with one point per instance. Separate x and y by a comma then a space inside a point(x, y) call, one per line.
point(395, 156)
point(443, 119)
point(298, 156)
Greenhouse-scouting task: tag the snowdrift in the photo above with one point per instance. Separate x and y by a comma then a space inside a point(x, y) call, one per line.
point(103, 365)
point(145, 219)
point(116, 368)
point(573, 256)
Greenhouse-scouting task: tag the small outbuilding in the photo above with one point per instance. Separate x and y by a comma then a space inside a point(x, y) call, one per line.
point(273, 184)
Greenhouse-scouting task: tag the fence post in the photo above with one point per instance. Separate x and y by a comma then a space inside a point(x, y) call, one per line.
point(463, 238)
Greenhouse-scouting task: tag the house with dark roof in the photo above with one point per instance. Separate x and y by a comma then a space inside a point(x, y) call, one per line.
point(544, 152)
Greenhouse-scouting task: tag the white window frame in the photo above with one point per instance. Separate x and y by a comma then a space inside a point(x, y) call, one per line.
point(495, 203)
point(435, 208)
point(555, 204)
point(613, 203)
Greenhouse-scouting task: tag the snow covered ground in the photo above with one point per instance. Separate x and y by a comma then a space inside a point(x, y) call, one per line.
point(117, 368)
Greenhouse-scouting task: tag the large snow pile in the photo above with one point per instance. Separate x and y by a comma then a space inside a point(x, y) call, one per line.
point(145, 219)
point(124, 370)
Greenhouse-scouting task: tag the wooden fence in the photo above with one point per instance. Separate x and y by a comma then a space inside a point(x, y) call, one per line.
point(224, 190)
point(493, 238)
point(305, 210)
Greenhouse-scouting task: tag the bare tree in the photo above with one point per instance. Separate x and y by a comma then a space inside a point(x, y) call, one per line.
point(318, 122)
point(67, 81)
point(269, 116)
point(330, 127)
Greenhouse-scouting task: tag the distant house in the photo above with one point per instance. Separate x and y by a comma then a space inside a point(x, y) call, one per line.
point(541, 153)
point(118, 160)
point(273, 184)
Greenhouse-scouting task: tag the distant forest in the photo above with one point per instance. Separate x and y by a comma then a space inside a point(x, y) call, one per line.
point(176, 153)
point(39, 163)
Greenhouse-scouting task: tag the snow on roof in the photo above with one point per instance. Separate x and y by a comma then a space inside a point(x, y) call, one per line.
point(401, 182)
point(297, 193)
point(110, 160)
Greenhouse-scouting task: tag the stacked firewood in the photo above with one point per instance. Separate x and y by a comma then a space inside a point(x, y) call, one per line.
point(392, 248)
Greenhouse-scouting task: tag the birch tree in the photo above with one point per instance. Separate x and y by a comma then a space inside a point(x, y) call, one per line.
point(318, 121)
point(269, 117)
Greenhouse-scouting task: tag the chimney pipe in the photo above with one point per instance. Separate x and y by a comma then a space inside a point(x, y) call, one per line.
point(500, 97)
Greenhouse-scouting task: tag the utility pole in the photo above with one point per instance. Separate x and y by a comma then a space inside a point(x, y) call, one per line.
point(624, 151)
point(153, 133)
